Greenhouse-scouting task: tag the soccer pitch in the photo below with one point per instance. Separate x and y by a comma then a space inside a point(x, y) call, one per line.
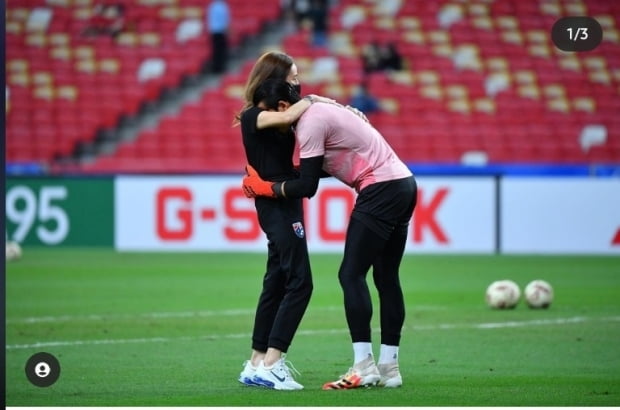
point(133, 329)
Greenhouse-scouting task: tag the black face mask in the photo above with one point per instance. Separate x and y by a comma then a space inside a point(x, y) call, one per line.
point(297, 88)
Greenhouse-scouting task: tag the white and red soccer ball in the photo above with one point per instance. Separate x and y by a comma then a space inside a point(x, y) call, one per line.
point(503, 294)
point(13, 251)
point(538, 294)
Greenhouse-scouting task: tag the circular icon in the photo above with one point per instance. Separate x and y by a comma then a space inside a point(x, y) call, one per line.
point(42, 369)
point(577, 33)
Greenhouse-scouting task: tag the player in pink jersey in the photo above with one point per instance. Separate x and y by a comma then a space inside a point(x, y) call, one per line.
point(335, 141)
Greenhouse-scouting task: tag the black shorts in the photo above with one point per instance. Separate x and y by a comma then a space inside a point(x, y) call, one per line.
point(384, 206)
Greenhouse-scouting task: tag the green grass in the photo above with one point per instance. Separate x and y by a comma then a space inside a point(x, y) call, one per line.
point(174, 330)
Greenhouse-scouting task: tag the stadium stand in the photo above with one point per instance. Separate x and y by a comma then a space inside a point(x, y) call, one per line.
point(482, 82)
point(485, 76)
point(63, 88)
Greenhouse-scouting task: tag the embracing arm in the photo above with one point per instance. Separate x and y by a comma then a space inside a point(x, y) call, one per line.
point(304, 186)
point(310, 170)
point(268, 119)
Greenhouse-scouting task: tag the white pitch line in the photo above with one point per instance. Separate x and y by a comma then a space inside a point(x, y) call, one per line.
point(539, 322)
point(151, 315)
point(171, 315)
point(444, 326)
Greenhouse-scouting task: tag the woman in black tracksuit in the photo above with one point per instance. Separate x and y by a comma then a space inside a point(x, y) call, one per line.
point(269, 144)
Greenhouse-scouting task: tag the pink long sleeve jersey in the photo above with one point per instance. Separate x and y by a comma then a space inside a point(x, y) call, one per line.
point(354, 151)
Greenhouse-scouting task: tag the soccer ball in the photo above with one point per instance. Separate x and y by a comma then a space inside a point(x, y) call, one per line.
point(538, 294)
point(503, 294)
point(13, 251)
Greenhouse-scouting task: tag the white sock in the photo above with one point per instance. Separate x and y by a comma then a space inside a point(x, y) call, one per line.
point(361, 351)
point(388, 354)
point(262, 363)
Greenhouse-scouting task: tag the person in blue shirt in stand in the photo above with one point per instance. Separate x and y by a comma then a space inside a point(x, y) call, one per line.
point(218, 23)
point(364, 101)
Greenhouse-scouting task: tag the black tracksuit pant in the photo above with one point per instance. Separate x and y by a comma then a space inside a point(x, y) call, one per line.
point(287, 284)
point(376, 237)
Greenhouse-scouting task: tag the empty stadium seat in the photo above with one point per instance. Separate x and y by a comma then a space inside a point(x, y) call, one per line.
point(486, 78)
point(47, 64)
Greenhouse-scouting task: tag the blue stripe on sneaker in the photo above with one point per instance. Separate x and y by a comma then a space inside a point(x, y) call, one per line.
point(248, 381)
point(262, 382)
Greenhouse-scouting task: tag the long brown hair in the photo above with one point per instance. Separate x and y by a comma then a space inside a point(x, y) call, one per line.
point(272, 64)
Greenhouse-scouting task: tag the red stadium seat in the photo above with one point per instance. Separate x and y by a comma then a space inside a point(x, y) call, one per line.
point(103, 96)
point(440, 110)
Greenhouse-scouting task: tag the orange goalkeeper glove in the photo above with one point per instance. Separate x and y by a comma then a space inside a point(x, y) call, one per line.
point(254, 186)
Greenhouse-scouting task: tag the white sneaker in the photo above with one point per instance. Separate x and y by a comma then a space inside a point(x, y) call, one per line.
point(390, 375)
point(247, 374)
point(276, 377)
point(364, 373)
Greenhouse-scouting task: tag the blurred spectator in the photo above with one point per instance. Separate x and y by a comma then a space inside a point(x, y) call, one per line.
point(364, 101)
point(371, 60)
point(390, 57)
point(302, 10)
point(218, 23)
point(289, 22)
point(318, 17)
point(107, 20)
point(379, 57)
